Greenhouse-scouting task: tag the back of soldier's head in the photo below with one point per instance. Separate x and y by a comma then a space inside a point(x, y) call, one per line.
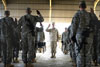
point(82, 4)
point(28, 10)
point(7, 13)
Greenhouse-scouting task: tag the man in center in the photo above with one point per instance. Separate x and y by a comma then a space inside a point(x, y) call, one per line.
point(54, 37)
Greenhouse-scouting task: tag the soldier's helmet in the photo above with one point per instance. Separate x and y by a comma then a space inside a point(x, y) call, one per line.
point(82, 4)
point(7, 12)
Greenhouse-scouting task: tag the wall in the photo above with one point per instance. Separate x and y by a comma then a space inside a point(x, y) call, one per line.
point(63, 10)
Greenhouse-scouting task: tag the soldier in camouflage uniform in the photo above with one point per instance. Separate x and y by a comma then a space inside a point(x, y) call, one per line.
point(28, 24)
point(82, 34)
point(0, 40)
point(40, 37)
point(98, 46)
point(94, 20)
point(7, 34)
point(16, 45)
point(54, 37)
point(64, 43)
point(71, 47)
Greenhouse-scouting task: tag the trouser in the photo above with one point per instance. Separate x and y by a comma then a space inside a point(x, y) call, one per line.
point(53, 46)
point(28, 48)
point(83, 60)
point(0, 48)
point(65, 46)
point(94, 55)
point(7, 51)
point(16, 51)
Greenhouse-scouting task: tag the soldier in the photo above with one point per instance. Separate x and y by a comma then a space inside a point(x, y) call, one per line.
point(98, 46)
point(82, 34)
point(27, 24)
point(16, 45)
point(54, 37)
point(0, 41)
point(64, 43)
point(7, 34)
point(72, 46)
point(94, 20)
point(40, 37)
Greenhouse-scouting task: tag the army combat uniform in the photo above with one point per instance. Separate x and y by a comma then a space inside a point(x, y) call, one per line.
point(54, 37)
point(40, 38)
point(98, 46)
point(64, 43)
point(17, 44)
point(82, 32)
point(7, 34)
point(94, 20)
point(0, 41)
point(28, 39)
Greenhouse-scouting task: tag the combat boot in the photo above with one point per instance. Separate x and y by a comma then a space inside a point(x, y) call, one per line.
point(8, 65)
point(16, 60)
point(0, 60)
point(66, 52)
point(29, 65)
point(74, 64)
point(34, 60)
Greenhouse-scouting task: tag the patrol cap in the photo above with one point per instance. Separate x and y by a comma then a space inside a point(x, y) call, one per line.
point(28, 9)
point(7, 12)
point(82, 4)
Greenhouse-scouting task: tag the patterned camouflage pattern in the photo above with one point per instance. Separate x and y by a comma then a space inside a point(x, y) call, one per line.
point(7, 34)
point(81, 30)
point(54, 37)
point(28, 41)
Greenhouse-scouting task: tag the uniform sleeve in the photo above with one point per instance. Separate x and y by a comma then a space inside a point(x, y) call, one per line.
point(39, 19)
point(74, 25)
point(48, 30)
point(18, 28)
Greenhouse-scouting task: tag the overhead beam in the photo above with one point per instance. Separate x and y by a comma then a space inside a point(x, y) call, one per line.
point(5, 4)
point(50, 10)
point(95, 4)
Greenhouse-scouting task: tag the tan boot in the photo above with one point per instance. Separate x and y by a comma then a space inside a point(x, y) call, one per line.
point(9, 65)
point(16, 61)
point(52, 56)
point(66, 52)
point(34, 60)
point(74, 65)
point(29, 65)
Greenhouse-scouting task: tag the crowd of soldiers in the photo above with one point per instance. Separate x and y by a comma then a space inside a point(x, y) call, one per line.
point(83, 38)
point(12, 31)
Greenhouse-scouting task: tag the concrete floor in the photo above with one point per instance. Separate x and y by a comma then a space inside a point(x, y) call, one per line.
point(44, 60)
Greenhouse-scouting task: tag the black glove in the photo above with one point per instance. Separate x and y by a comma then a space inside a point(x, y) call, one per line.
point(38, 12)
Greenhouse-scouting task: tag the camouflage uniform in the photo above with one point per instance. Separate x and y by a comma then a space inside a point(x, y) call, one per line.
point(64, 43)
point(72, 46)
point(94, 20)
point(17, 41)
point(40, 38)
point(28, 40)
point(54, 37)
point(0, 38)
point(7, 34)
point(98, 46)
point(81, 31)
